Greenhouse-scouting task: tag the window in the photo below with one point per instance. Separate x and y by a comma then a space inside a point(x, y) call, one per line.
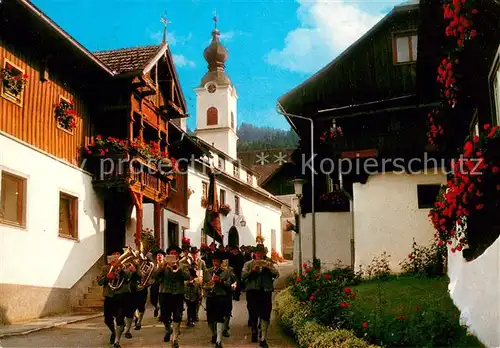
point(232, 120)
point(204, 190)
point(236, 205)
point(173, 233)
point(173, 184)
point(68, 216)
point(496, 94)
point(65, 115)
point(13, 196)
point(259, 229)
point(13, 82)
point(427, 195)
point(222, 197)
point(212, 116)
point(236, 171)
point(249, 178)
point(405, 48)
point(222, 163)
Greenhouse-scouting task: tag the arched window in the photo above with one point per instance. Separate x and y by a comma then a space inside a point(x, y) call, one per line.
point(212, 116)
point(232, 120)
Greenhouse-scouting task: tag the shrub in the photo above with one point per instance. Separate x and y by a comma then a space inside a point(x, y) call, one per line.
point(329, 297)
point(426, 261)
point(378, 269)
point(297, 319)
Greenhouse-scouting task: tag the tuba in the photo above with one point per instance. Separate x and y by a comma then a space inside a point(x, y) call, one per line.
point(145, 268)
point(125, 260)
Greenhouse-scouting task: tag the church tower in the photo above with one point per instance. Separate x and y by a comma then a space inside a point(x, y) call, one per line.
point(216, 101)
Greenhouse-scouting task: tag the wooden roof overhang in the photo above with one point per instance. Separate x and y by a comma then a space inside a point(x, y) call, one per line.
point(48, 44)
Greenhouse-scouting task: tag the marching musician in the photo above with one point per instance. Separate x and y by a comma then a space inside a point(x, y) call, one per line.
point(192, 296)
point(229, 299)
point(259, 275)
point(115, 299)
point(200, 267)
point(154, 289)
point(131, 301)
point(218, 283)
point(236, 261)
point(172, 278)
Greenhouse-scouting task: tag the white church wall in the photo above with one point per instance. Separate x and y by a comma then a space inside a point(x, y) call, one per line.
point(387, 217)
point(251, 211)
point(474, 290)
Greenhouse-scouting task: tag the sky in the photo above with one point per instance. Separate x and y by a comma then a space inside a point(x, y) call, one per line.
point(273, 45)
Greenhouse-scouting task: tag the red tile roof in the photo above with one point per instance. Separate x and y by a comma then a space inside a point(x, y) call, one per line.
point(125, 60)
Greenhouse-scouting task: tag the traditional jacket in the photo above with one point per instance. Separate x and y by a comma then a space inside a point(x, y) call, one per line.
point(222, 288)
point(237, 261)
point(263, 280)
point(104, 281)
point(172, 282)
point(192, 291)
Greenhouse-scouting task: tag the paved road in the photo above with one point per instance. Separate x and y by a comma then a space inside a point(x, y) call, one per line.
point(93, 333)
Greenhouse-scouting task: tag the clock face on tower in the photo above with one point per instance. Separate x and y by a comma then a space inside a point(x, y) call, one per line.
point(211, 88)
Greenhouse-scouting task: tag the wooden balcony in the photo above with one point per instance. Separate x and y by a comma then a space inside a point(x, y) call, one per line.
point(129, 171)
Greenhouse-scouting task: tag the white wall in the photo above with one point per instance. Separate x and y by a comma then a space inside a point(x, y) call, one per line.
point(253, 211)
point(474, 288)
point(387, 217)
point(221, 135)
point(333, 246)
point(54, 261)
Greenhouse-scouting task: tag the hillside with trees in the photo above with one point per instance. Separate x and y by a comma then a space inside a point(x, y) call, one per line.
point(255, 138)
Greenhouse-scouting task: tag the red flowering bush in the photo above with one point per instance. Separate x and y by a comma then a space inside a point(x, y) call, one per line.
point(332, 134)
point(13, 80)
point(436, 130)
point(329, 297)
point(474, 186)
point(102, 146)
point(426, 261)
point(446, 77)
point(459, 14)
point(65, 115)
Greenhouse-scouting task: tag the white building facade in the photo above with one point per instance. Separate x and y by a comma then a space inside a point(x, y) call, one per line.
point(37, 188)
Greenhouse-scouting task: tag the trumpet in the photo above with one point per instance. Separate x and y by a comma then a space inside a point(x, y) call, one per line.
point(171, 263)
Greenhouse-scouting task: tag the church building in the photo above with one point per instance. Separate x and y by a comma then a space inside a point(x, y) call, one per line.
point(243, 204)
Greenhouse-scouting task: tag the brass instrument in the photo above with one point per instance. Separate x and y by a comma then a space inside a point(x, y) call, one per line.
point(145, 268)
point(125, 260)
point(261, 264)
point(172, 263)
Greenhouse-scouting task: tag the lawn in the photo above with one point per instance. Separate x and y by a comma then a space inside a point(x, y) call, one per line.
point(408, 306)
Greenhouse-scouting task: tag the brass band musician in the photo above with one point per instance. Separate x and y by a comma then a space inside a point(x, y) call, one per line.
point(200, 267)
point(217, 281)
point(259, 275)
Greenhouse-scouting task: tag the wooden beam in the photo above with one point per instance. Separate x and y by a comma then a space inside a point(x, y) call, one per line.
point(360, 154)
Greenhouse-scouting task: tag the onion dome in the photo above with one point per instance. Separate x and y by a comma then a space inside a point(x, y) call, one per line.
point(216, 56)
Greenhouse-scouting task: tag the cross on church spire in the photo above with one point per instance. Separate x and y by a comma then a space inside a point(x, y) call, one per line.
point(214, 18)
point(165, 22)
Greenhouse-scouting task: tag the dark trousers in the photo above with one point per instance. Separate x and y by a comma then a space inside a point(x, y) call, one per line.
point(192, 306)
point(171, 307)
point(154, 291)
point(114, 309)
point(128, 304)
point(259, 305)
point(140, 299)
point(217, 309)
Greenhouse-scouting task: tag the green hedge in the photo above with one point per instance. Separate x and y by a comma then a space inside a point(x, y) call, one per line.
point(296, 319)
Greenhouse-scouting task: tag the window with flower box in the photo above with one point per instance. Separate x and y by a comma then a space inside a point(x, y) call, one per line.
point(13, 80)
point(68, 216)
point(404, 47)
point(65, 114)
point(13, 199)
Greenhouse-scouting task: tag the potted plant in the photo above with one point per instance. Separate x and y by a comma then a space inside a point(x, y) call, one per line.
point(204, 202)
point(65, 115)
point(225, 209)
point(13, 81)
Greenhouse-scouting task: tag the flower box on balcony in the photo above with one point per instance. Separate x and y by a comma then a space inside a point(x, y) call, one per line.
point(225, 209)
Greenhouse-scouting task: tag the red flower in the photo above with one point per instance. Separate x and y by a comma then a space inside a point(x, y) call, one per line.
point(495, 170)
point(328, 276)
point(311, 298)
point(344, 304)
point(347, 290)
point(298, 279)
point(365, 325)
point(401, 317)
